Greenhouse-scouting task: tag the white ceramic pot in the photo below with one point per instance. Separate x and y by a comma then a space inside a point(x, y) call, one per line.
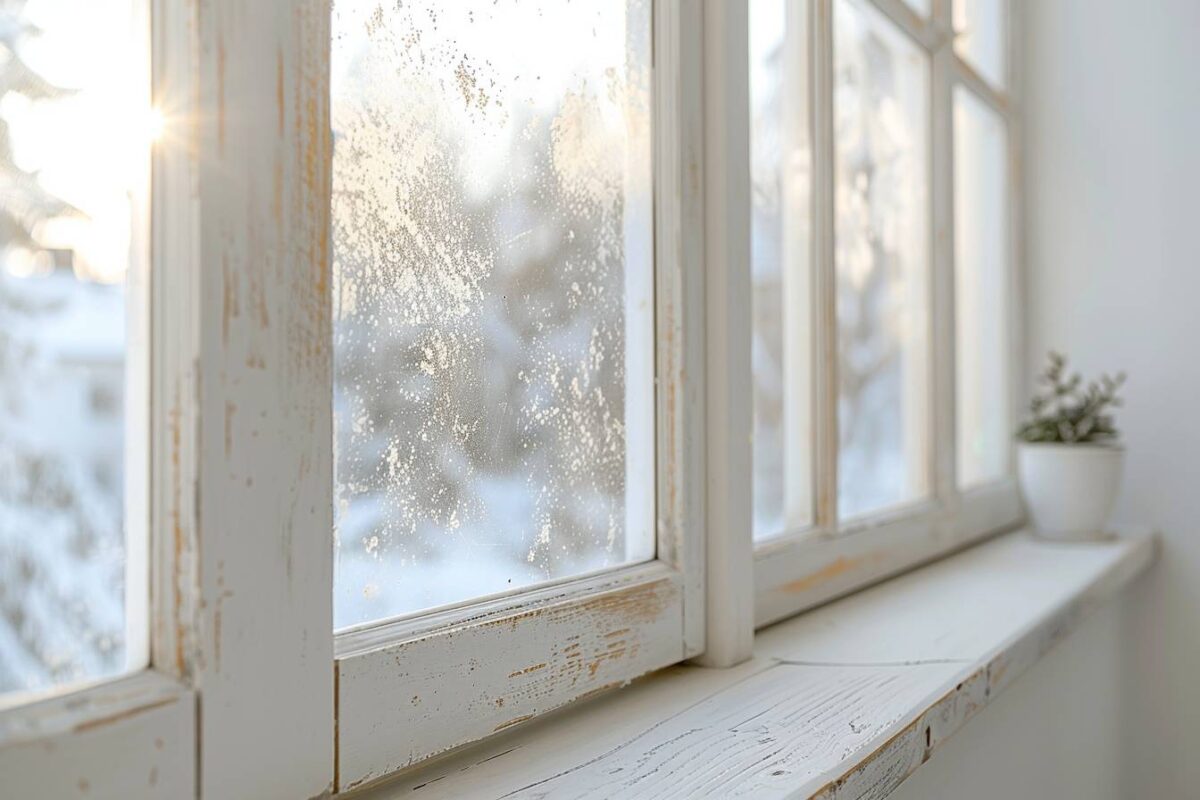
point(1069, 489)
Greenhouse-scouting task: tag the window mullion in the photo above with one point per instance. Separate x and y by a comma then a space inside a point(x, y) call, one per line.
point(248, 413)
point(680, 424)
point(943, 427)
point(730, 589)
point(824, 314)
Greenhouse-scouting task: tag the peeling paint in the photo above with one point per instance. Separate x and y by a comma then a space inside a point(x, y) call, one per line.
point(514, 721)
point(101, 722)
point(840, 566)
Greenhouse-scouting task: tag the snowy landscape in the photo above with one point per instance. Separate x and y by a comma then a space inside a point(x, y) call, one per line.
point(493, 230)
point(493, 276)
point(71, 158)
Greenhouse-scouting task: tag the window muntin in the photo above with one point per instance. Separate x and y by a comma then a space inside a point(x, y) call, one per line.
point(981, 291)
point(981, 37)
point(72, 541)
point(493, 307)
point(882, 258)
point(781, 274)
point(881, 83)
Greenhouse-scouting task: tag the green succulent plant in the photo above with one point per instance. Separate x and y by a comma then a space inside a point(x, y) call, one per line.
point(1064, 411)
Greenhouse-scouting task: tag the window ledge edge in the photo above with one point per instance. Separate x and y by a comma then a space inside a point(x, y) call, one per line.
point(841, 701)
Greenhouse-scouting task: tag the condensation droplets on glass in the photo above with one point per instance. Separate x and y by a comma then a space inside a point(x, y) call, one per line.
point(493, 268)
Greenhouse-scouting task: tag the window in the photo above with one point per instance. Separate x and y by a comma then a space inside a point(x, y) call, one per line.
point(72, 582)
point(78, 443)
point(493, 274)
point(487, 356)
point(781, 278)
point(879, 169)
point(496, 421)
point(981, 275)
point(981, 38)
point(881, 260)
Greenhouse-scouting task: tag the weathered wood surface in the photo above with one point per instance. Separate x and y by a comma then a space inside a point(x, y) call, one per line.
point(467, 682)
point(130, 738)
point(844, 702)
point(249, 493)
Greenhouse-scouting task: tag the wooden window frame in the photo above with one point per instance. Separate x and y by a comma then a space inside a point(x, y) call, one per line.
point(804, 568)
point(237, 701)
point(248, 692)
point(409, 689)
point(133, 735)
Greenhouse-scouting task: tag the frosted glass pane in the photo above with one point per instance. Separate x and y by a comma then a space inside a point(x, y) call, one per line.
point(981, 37)
point(881, 142)
point(981, 259)
point(780, 171)
point(73, 139)
point(492, 211)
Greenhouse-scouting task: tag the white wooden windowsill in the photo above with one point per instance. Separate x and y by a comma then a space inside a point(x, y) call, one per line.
point(845, 701)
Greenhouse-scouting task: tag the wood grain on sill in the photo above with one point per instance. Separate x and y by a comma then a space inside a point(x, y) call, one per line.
point(842, 702)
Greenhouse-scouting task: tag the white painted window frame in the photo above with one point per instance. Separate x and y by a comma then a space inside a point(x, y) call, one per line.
point(248, 693)
point(410, 689)
point(809, 566)
point(237, 700)
point(135, 735)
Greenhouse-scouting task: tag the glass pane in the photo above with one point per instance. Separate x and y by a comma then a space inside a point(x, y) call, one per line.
point(922, 7)
point(780, 172)
point(73, 136)
point(981, 37)
point(881, 142)
point(494, 348)
point(981, 259)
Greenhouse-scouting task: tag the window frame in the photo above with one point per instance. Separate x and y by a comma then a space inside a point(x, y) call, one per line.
point(132, 735)
point(248, 692)
point(409, 689)
point(800, 569)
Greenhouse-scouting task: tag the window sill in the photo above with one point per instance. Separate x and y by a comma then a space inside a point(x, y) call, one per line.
point(845, 701)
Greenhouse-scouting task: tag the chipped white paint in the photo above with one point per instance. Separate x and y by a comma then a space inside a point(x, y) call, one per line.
point(844, 702)
point(412, 689)
point(130, 738)
point(413, 699)
point(242, 389)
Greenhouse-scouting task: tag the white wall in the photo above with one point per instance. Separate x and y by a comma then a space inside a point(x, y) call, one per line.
point(1112, 216)
point(1045, 737)
point(1113, 271)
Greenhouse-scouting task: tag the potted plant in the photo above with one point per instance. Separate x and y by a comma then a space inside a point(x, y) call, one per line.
point(1068, 458)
